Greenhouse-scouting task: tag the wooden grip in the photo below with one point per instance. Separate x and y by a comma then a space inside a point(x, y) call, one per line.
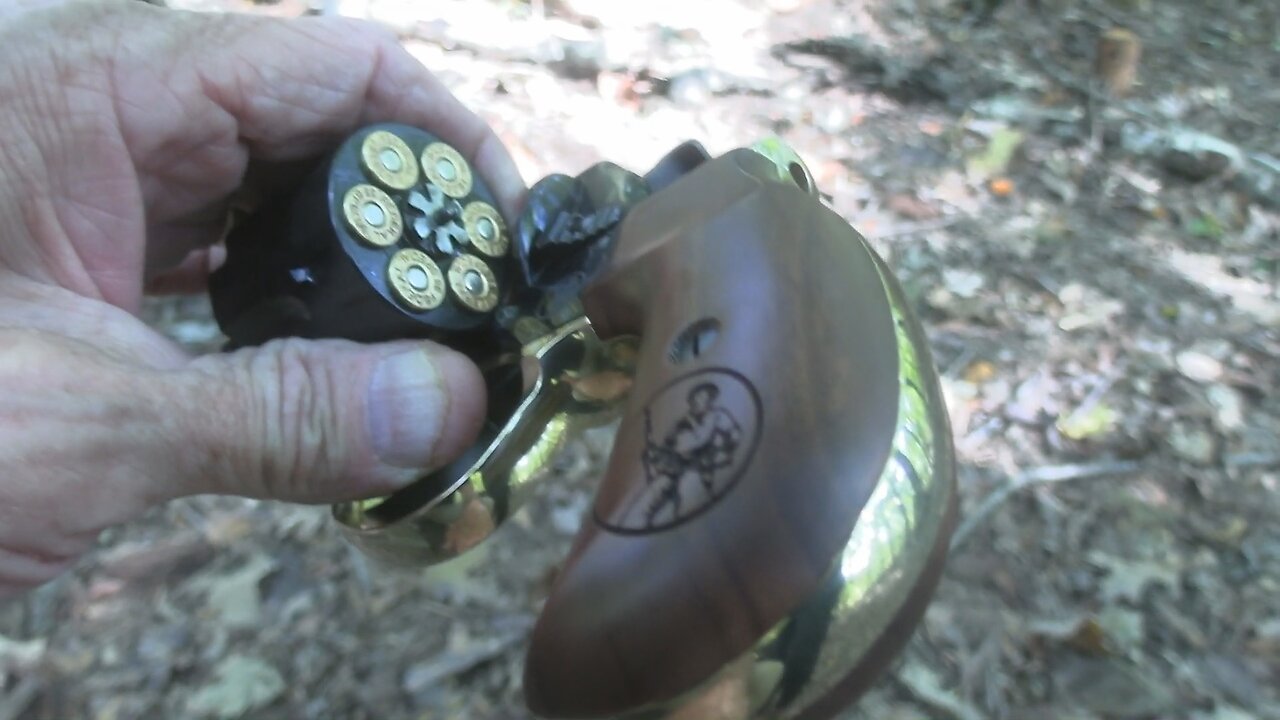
point(762, 415)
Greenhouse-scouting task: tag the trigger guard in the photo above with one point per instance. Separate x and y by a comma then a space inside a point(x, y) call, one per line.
point(454, 509)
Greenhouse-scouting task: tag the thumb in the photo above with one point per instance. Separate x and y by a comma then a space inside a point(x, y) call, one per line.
point(320, 421)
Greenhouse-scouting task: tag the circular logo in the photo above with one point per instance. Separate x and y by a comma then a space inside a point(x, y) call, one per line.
point(700, 433)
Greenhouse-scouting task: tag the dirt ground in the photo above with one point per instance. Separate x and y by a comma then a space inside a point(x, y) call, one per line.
point(1105, 316)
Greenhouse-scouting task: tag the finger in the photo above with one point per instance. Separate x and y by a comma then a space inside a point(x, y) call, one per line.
point(236, 87)
point(20, 569)
point(191, 276)
point(403, 91)
point(317, 421)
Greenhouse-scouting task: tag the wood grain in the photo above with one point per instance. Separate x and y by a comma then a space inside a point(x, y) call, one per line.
point(636, 616)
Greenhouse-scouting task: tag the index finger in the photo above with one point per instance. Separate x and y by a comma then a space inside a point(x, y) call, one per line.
point(278, 90)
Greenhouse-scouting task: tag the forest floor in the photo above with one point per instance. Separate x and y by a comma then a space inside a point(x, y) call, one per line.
point(1105, 318)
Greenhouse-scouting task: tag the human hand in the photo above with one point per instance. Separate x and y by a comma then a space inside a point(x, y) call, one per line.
point(125, 132)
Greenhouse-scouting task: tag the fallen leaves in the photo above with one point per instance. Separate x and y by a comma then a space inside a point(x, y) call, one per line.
point(932, 128)
point(1086, 307)
point(1247, 295)
point(912, 208)
point(240, 685)
point(1192, 443)
point(20, 655)
point(235, 598)
point(1112, 631)
point(1118, 689)
point(1089, 421)
point(1042, 271)
point(472, 526)
point(962, 282)
point(980, 372)
point(464, 653)
point(1128, 580)
point(925, 684)
point(997, 155)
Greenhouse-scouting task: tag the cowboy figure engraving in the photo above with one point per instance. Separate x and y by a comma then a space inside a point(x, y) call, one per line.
point(699, 446)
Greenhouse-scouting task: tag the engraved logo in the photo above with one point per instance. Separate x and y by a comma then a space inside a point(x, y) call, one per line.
point(699, 434)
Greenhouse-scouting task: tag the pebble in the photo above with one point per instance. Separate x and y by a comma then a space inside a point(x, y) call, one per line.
point(1198, 366)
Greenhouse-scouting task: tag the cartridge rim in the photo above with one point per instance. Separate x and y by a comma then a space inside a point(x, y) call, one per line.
point(373, 216)
point(416, 280)
point(445, 168)
point(389, 161)
point(473, 283)
point(485, 229)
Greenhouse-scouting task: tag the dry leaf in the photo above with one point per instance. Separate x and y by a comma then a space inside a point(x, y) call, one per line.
point(226, 529)
point(980, 372)
point(1117, 58)
point(1089, 638)
point(1119, 690)
point(1089, 422)
point(241, 685)
point(932, 128)
point(912, 207)
point(995, 159)
point(1002, 187)
point(1129, 579)
point(472, 526)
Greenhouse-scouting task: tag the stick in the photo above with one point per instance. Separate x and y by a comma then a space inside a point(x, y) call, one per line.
point(1036, 476)
point(913, 228)
point(1248, 460)
point(13, 705)
point(925, 685)
point(1116, 63)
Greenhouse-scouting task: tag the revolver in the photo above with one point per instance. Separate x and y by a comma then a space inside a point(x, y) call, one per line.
point(776, 509)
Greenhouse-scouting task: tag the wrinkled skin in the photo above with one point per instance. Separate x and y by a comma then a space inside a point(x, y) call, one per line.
point(125, 132)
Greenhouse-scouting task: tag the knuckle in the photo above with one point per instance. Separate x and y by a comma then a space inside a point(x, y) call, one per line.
point(277, 418)
point(300, 419)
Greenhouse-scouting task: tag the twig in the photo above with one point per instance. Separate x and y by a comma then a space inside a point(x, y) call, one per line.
point(452, 662)
point(913, 228)
point(925, 685)
point(1270, 163)
point(1249, 460)
point(1036, 476)
point(15, 704)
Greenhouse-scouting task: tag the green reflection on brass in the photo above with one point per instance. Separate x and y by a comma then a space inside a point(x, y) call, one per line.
point(532, 463)
point(791, 168)
point(895, 533)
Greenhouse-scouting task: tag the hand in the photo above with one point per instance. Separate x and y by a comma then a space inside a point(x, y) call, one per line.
point(125, 132)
